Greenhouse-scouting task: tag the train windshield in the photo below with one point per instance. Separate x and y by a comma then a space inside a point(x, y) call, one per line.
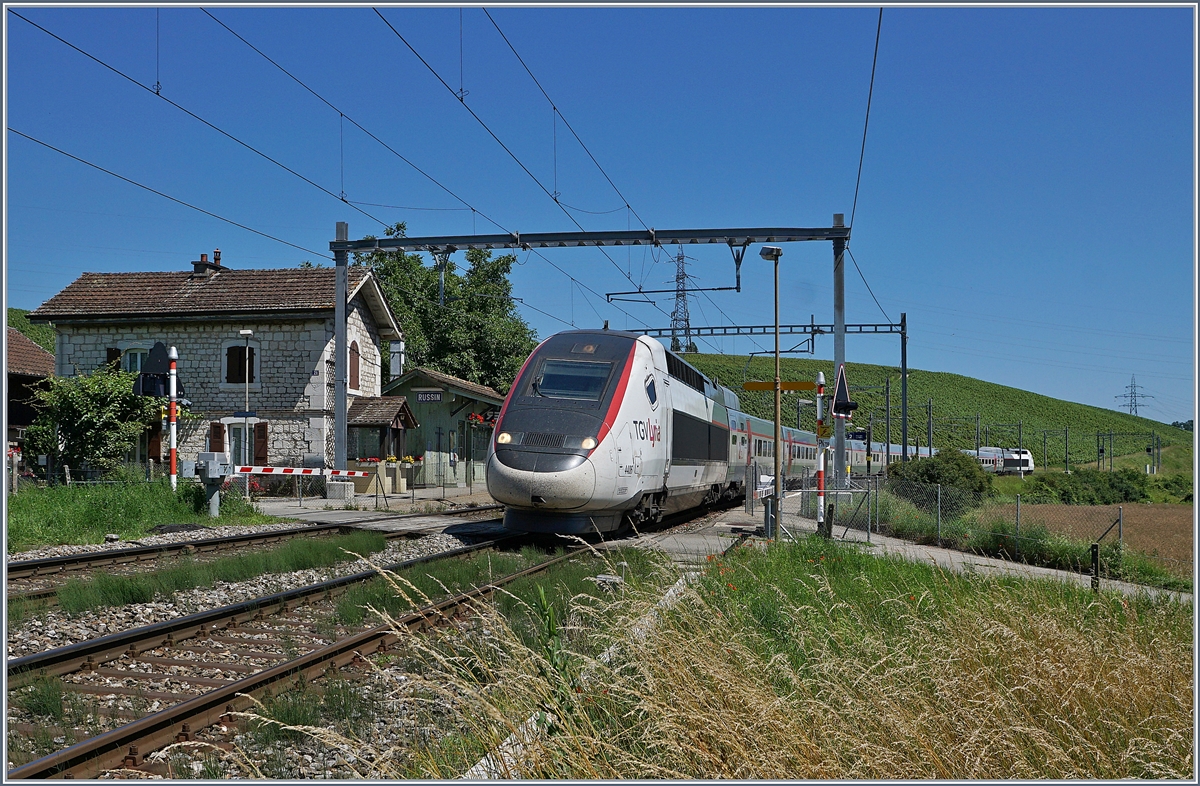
point(578, 380)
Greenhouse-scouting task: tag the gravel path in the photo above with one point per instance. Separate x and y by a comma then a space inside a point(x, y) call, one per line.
point(57, 629)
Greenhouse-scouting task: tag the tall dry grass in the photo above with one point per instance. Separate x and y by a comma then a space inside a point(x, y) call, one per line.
point(804, 661)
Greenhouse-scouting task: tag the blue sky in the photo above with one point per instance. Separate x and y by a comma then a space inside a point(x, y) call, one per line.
point(1027, 196)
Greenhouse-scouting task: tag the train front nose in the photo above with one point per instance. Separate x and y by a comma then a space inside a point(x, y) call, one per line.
point(548, 481)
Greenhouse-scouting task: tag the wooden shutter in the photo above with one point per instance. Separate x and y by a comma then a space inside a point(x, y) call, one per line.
point(260, 443)
point(354, 363)
point(216, 437)
point(113, 358)
point(251, 380)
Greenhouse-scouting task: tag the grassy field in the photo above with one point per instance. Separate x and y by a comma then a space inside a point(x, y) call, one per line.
point(953, 396)
point(807, 660)
point(84, 514)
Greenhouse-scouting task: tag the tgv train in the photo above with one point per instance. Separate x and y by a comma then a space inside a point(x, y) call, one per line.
point(605, 428)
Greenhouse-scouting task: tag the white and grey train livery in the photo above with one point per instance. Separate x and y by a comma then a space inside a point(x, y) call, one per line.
point(603, 428)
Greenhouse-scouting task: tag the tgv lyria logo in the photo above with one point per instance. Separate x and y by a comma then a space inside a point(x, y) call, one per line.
point(647, 430)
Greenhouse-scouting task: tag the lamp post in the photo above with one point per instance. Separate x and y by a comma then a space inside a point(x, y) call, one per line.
point(772, 254)
point(246, 334)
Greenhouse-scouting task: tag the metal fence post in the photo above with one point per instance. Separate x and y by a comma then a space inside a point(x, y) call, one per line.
point(1017, 533)
point(1120, 524)
point(1095, 567)
point(939, 518)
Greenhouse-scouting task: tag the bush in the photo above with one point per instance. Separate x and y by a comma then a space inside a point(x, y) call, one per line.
point(1088, 487)
point(948, 468)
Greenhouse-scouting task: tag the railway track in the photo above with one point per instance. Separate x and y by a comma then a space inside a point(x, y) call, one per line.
point(207, 665)
point(35, 573)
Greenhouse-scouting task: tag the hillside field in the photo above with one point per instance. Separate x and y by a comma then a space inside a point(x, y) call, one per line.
point(956, 401)
point(42, 335)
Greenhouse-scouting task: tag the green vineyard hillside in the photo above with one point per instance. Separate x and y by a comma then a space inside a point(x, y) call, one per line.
point(956, 401)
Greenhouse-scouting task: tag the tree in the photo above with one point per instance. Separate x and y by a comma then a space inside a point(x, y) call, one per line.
point(477, 335)
point(949, 468)
point(93, 418)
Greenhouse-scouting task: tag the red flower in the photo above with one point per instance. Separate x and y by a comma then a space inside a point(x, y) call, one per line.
point(731, 586)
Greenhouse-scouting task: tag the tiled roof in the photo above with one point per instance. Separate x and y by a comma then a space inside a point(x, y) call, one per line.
point(482, 391)
point(380, 411)
point(179, 292)
point(23, 356)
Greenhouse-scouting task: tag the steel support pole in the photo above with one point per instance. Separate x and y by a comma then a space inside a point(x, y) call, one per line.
point(340, 349)
point(1067, 449)
point(778, 503)
point(929, 425)
point(904, 383)
point(887, 399)
point(839, 348)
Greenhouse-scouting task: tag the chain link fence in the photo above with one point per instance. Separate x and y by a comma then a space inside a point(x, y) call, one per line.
point(1153, 547)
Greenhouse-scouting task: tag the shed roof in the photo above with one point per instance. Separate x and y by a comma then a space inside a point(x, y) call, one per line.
point(232, 291)
point(381, 411)
point(472, 389)
point(23, 356)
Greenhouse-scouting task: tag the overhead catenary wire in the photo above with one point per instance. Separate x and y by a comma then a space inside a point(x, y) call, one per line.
point(560, 115)
point(866, 120)
point(868, 286)
point(467, 205)
point(167, 196)
point(506, 149)
point(192, 114)
point(358, 125)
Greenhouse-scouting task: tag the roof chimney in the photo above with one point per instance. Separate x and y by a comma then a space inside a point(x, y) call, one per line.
point(206, 268)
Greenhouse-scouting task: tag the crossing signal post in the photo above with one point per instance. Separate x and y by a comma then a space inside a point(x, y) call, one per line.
point(843, 409)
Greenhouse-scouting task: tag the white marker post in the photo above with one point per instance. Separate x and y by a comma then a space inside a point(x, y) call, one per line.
point(173, 355)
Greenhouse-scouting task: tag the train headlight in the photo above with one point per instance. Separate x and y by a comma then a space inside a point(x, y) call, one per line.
point(588, 443)
point(503, 438)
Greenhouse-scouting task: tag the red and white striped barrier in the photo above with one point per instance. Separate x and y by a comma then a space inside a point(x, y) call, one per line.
point(341, 473)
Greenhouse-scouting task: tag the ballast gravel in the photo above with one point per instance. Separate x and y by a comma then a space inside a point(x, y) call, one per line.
point(154, 540)
point(57, 629)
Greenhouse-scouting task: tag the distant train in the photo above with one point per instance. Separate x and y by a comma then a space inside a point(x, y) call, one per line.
point(602, 429)
point(1003, 461)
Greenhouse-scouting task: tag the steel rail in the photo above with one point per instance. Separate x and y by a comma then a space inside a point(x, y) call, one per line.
point(49, 565)
point(93, 652)
point(125, 746)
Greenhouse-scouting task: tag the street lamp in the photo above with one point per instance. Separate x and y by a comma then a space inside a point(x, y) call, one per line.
point(772, 254)
point(246, 334)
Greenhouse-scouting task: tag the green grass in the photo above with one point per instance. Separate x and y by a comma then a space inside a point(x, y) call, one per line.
point(42, 335)
point(103, 590)
point(979, 531)
point(84, 514)
point(43, 697)
point(953, 395)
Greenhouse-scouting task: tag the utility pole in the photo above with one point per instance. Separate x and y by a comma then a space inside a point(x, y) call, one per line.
point(1067, 449)
point(976, 435)
point(929, 424)
point(839, 346)
point(887, 396)
point(340, 349)
point(680, 320)
point(904, 383)
point(1131, 395)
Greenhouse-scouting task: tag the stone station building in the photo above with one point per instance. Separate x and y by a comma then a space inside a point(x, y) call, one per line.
point(115, 318)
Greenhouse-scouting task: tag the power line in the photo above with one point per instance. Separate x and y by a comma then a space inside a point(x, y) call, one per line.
point(866, 120)
point(506, 149)
point(359, 126)
point(167, 196)
point(356, 124)
point(564, 119)
point(868, 286)
point(192, 114)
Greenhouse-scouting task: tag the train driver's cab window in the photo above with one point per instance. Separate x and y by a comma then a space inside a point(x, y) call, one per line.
point(651, 392)
point(579, 380)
